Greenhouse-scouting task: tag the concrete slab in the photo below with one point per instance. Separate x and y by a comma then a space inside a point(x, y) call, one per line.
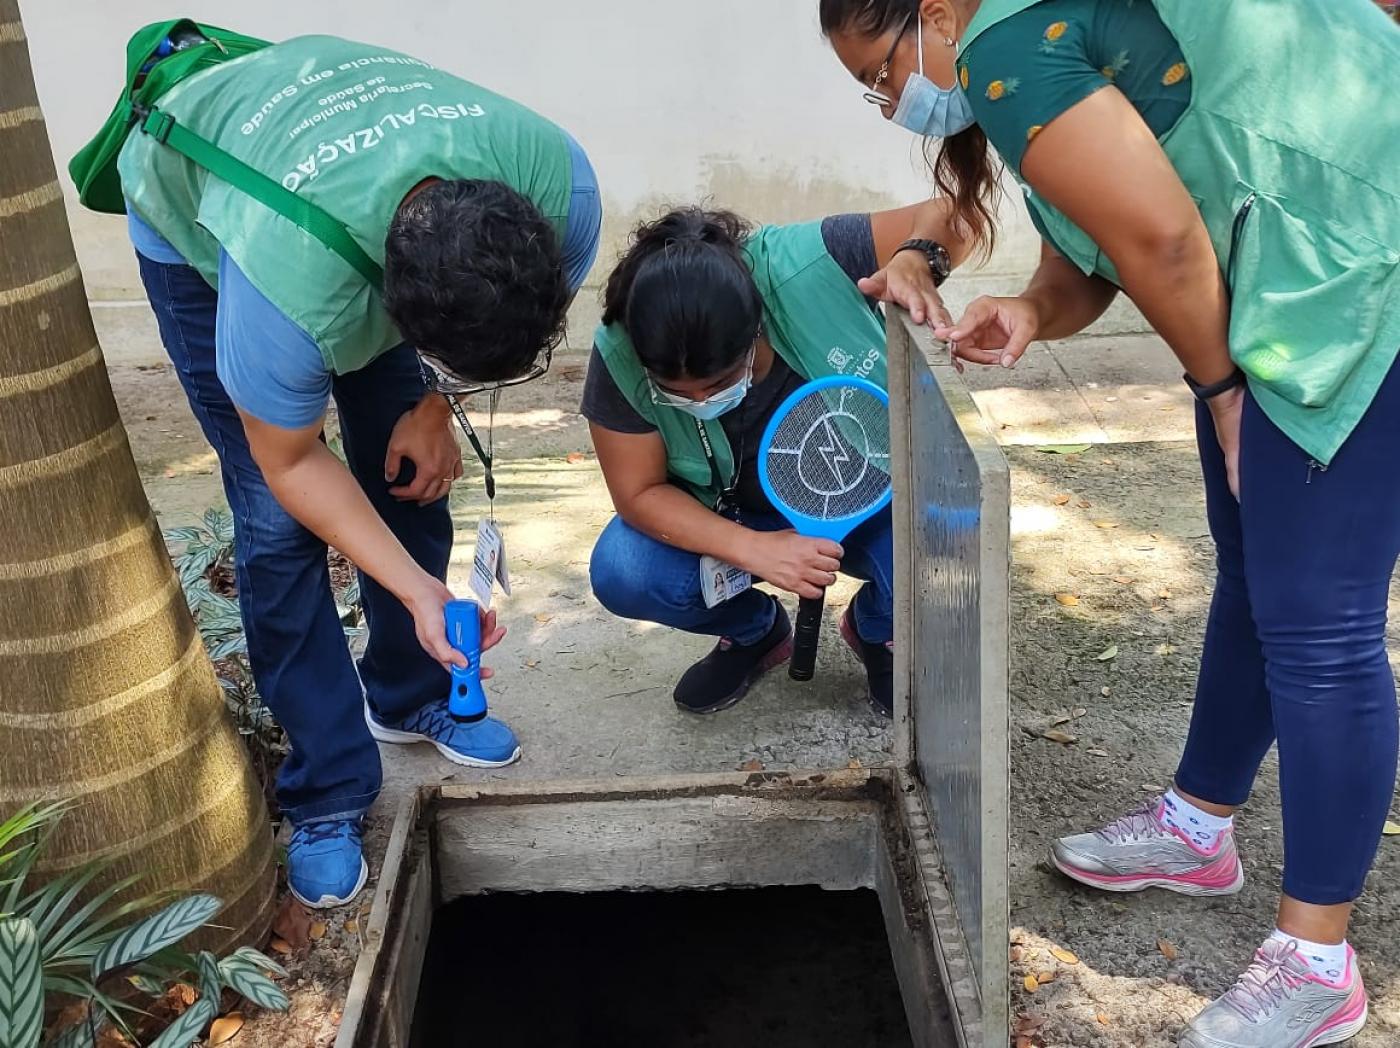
point(1034, 403)
point(1132, 384)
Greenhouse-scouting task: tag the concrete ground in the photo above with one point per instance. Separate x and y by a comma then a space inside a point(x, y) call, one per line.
point(1120, 526)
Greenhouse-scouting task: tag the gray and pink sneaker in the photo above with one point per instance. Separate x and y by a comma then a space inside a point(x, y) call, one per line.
point(1141, 851)
point(1279, 1002)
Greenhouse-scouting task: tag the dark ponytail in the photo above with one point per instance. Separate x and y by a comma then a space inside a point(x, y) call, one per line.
point(684, 294)
point(963, 166)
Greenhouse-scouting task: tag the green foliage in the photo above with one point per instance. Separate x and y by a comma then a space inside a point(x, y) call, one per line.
point(50, 943)
point(21, 985)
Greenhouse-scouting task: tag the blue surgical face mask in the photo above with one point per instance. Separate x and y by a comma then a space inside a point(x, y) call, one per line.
point(713, 406)
point(927, 109)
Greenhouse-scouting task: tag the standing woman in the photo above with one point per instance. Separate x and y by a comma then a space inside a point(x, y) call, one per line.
point(1234, 168)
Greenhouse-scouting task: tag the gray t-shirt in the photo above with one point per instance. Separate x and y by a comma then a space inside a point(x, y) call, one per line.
point(851, 243)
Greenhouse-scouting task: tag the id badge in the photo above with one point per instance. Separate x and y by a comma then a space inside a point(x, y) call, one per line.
point(720, 582)
point(489, 563)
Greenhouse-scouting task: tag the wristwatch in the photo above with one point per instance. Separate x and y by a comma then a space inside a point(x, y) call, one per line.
point(939, 264)
point(1203, 393)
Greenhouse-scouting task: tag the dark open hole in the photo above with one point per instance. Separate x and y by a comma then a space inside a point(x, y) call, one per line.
point(777, 967)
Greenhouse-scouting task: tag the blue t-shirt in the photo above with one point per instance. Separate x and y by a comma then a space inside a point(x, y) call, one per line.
point(272, 369)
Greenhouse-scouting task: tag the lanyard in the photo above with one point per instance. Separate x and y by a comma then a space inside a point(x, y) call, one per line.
point(727, 494)
point(486, 455)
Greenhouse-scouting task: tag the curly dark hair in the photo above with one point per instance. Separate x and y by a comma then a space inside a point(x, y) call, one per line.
point(474, 278)
point(684, 294)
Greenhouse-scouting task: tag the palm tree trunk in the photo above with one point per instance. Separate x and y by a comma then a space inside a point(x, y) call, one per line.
point(106, 694)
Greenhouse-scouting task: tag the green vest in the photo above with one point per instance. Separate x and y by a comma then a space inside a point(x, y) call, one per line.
point(352, 128)
point(813, 316)
point(1291, 150)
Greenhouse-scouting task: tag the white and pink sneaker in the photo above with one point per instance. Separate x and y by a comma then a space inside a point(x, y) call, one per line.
point(1141, 851)
point(1280, 1002)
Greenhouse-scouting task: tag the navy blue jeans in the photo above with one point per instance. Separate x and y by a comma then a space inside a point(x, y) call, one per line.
point(1295, 643)
point(296, 647)
point(637, 577)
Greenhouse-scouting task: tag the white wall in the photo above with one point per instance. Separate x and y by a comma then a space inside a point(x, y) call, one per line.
point(736, 101)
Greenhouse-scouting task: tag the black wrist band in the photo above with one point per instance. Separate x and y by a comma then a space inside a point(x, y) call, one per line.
point(1234, 381)
point(940, 264)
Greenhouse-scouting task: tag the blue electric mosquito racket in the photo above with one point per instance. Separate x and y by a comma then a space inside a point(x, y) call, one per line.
point(468, 699)
point(824, 463)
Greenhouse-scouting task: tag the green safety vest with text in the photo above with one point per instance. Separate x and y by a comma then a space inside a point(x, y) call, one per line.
point(352, 128)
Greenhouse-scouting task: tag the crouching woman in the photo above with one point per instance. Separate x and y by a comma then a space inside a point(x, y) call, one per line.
point(708, 326)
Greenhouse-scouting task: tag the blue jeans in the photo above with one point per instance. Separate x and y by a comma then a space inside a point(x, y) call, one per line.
point(637, 577)
point(296, 647)
point(1295, 642)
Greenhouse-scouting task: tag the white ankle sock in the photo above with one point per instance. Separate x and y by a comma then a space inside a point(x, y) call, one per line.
point(1325, 960)
point(1200, 827)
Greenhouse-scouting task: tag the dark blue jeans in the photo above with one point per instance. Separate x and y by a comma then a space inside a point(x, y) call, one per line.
point(296, 647)
point(637, 577)
point(1295, 643)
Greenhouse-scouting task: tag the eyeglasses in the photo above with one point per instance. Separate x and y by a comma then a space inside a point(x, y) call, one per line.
point(439, 381)
point(668, 398)
point(873, 96)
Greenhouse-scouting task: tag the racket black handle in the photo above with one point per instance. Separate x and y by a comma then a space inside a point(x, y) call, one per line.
point(809, 628)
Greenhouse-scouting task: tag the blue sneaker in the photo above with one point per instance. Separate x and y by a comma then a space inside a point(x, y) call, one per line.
point(486, 743)
point(326, 863)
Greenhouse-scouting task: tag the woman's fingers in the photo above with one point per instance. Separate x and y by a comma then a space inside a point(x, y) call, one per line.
point(979, 356)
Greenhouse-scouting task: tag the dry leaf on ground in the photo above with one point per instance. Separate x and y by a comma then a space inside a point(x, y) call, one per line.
point(1061, 500)
point(1097, 753)
point(1392, 829)
point(317, 930)
point(1062, 737)
point(1029, 1023)
point(1105, 692)
point(1030, 983)
point(542, 618)
point(1069, 600)
point(1110, 652)
point(1152, 788)
point(1044, 977)
point(1107, 525)
point(1123, 580)
point(1167, 949)
point(279, 945)
point(352, 926)
point(1084, 503)
point(225, 1029)
point(1063, 956)
point(576, 456)
point(293, 923)
point(1103, 1019)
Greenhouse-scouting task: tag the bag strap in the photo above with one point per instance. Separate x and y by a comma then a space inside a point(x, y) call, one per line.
point(329, 230)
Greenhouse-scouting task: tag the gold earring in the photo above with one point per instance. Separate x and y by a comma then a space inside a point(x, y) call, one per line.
point(948, 41)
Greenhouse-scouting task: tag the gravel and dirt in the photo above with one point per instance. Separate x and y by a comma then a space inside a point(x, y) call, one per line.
point(1110, 554)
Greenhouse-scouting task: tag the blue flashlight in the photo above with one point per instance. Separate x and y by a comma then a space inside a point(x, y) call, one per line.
point(468, 701)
